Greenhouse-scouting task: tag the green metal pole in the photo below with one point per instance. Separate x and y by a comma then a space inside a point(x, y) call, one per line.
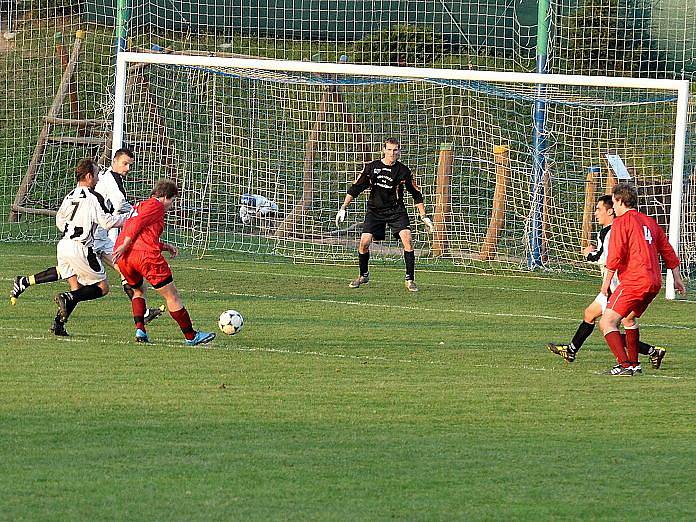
point(534, 258)
point(122, 18)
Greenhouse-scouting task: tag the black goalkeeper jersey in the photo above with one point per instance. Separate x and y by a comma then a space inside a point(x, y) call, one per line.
point(386, 184)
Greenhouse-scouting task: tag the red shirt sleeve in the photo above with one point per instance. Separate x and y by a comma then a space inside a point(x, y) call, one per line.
point(145, 215)
point(665, 248)
point(618, 245)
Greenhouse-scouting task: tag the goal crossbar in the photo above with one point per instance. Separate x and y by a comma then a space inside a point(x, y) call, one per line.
point(679, 87)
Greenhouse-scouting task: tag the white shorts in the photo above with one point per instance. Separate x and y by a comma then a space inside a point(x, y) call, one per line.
point(103, 246)
point(75, 259)
point(602, 300)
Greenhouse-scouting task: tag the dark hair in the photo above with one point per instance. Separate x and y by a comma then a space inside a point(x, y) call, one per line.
point(393, 141)
point(124, 152)
point(165, 188)
point(84, 167)
point(606, 201)
point(627, 194)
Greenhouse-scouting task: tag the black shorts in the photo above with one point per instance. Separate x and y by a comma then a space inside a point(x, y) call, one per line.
point(376, 224)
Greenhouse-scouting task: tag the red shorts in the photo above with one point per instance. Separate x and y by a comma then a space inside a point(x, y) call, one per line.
point(137, 265)
point(626, 300)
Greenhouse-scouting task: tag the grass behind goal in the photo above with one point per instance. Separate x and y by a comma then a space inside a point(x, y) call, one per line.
point(335, 403)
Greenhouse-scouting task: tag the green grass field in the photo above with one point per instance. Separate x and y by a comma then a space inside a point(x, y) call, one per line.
point(337, 404)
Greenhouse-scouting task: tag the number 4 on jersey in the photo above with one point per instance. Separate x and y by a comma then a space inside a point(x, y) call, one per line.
point(647, 234)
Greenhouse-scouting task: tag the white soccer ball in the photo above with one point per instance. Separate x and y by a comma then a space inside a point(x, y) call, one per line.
point(231, 322)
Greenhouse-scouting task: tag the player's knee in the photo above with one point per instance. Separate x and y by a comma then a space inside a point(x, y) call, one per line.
point(589, 315)
point(104, 286)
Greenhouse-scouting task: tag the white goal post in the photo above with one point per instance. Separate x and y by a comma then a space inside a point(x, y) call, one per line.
point(514, 86)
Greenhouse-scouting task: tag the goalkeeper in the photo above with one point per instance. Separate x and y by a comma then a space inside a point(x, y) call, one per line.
point(386, 178)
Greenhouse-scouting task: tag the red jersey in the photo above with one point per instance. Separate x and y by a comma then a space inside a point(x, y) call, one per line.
point(144, 225)
point(635, 243)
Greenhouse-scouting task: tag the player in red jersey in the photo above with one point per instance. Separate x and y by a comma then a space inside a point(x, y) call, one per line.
point(138, 253)
point(636, 245)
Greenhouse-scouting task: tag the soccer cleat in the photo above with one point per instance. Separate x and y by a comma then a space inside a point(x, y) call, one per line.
point(20, 285)
point(65, 305)
point(58, 329)
point(563, 350)
point(621, 371)
point(201, 338)
point(410, 285)
point(153, 313)
point(141, 337)
point(637, 370)
point(657, 356)
point(362, 280)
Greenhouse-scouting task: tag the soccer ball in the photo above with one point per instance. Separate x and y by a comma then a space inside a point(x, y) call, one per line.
point(230, 322)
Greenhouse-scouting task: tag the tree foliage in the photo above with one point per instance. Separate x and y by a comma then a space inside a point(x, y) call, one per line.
point(610, 37)
point(404, 44)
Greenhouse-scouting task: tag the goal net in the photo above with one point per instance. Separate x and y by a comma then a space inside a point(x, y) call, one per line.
point(510, 169)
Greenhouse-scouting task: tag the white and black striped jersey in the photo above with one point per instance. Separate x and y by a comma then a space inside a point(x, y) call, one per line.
point(82, 210)
point(599, 256)
point(110, 186)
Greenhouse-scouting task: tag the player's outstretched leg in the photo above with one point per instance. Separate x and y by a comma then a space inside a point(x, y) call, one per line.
point(564, 350)
point(21, 283)
point(658, 353)
point(153, 313)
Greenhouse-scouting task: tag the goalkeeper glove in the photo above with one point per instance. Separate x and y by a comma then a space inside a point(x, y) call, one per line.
point(428, 223)
point(340, 216)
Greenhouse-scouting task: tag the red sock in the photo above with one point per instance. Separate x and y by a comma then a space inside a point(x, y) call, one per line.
point(138, 304)
point(184, 321)
point(632, 338)
point(616, 345)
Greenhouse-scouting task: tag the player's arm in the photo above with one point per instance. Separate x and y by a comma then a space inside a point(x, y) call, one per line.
point(103, 215)
point(358, 186)
point(617, 250)
point(417, 196)
point(63, 214)
point(166, 247)
point(606, 283)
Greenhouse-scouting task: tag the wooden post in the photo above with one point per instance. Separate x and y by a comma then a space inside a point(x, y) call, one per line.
point(590, 204)
point(442, 198)
point(64, 59)
point(53, 111)
point(501, 155)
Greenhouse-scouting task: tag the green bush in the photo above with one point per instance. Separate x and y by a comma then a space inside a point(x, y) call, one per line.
point(405, 45)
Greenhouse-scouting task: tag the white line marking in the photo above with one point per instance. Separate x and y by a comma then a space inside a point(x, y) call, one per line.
point(178, 344)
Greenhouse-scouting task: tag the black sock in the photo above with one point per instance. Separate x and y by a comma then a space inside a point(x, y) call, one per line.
point(645, 348)
point(583, 332)
point(86, 293)
point(128, 290)
point(47, 276)
point(364, 260)
point(410, 258)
